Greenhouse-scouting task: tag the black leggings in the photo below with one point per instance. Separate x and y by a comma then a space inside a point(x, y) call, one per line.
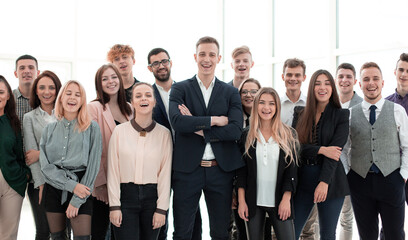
point(284, 230)
point(40, 219)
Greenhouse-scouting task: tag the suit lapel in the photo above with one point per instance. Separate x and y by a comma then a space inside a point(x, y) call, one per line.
point(108, 118)
point(214, 93)
point(159, 101)
point(197, 89)
point(39, 118)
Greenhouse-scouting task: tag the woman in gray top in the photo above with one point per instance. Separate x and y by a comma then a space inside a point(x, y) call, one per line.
point(70, 153)
point(43, 93)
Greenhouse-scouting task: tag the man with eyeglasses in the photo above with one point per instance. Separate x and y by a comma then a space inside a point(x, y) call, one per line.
point(160, 65)
point(123, 57)
point(242, 64)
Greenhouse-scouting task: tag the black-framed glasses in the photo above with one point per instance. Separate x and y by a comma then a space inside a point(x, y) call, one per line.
point(251, 92)
point(156, 64)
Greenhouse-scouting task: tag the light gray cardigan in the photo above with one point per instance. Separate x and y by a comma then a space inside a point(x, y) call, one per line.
point(33, 125)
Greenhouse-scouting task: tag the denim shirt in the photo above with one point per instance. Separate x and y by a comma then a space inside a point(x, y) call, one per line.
point(64, 150)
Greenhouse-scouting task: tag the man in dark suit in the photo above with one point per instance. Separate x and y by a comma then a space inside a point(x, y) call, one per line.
point(160, 65)
point(206, 114)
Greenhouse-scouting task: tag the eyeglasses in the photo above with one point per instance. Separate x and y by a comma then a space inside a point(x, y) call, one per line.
point(164, 62)
point(252, 92)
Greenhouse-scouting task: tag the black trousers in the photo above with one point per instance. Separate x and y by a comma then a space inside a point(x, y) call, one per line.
point(138, 204)
point(284, 230)
point(100, 219)
point(40, 219)
point(187, 188)
point(375, 195)
point(197, 230)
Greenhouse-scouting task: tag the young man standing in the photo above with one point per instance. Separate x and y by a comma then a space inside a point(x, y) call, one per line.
point(241, 63)
point(26, 71)
point(123, 57)
point(401, 92)
point(345, 81)
point(206, 114)
point(379, 159)
point(293, 75)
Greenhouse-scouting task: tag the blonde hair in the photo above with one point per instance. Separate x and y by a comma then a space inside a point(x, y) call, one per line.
point(83, 119)
point(283, 134)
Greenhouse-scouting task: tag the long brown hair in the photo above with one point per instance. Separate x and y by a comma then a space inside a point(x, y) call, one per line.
point(306, 120)
point(283, 134)
point(83, 119)
point(34, 100)
point(104, 98)
point(10, 108)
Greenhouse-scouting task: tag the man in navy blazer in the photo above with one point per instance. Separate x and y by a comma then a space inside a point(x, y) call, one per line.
point(206, 114)
point(160, 65)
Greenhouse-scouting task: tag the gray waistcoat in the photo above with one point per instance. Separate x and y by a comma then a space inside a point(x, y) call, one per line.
point(377, 144)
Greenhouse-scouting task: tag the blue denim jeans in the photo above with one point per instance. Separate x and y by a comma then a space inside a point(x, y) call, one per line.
point(328, 210)
point(138, 204)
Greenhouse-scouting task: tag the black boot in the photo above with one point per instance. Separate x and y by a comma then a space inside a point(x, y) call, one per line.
point(86, 237)
point(59, 235)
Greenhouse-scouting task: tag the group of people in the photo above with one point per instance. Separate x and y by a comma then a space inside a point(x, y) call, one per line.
point(262, 160)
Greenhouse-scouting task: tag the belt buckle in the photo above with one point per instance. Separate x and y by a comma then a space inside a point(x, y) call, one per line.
point(206, 163)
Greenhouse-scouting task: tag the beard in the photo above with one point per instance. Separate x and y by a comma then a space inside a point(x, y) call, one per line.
point(161, 77)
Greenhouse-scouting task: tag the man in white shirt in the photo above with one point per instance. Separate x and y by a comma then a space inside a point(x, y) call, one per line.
point(378, 152)
point(345, 81)
point(293, 75)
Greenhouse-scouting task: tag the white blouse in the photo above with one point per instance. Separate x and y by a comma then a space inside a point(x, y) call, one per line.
point(267, 161)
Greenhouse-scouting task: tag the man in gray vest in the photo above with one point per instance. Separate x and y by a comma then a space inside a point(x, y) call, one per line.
point(345, 81)
point(378, 131)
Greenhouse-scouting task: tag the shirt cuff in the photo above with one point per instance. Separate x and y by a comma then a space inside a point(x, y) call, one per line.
point(70, 185)
point(114, 208)
point(161, 211)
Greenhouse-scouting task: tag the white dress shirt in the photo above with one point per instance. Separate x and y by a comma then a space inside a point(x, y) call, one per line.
point(267, 161)
point(401, 120)
point(165, 96)
point(288, 108)
point(208, 152)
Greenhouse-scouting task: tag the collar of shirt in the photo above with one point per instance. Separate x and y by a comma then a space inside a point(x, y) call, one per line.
point(262, 139)
point(17, 93)
point(201, 84)
point(68, 123)
point(161, 89)
point(397, 95)
point(366, 105)
point(302, 98)
point(44, 113)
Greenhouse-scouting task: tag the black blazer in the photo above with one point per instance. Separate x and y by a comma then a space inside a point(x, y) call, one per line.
point(333, 131)
point(159, 111)
point(189, 147)
point(247, 175)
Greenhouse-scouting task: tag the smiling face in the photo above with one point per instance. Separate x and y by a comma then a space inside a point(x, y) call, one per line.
point(4, 97)
point(293, 78)
point(323, 89)
point(371, 83)
point(161, 72)
point(401, 74)
point(124, 62)
point(143, 100)
point(345, 81)
point(110, 82)
point(248, 91)
point(207, 59)
point(71, 100)
point(242, 65)
point(26, 71)
point(46, 91)
point(266, 107)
